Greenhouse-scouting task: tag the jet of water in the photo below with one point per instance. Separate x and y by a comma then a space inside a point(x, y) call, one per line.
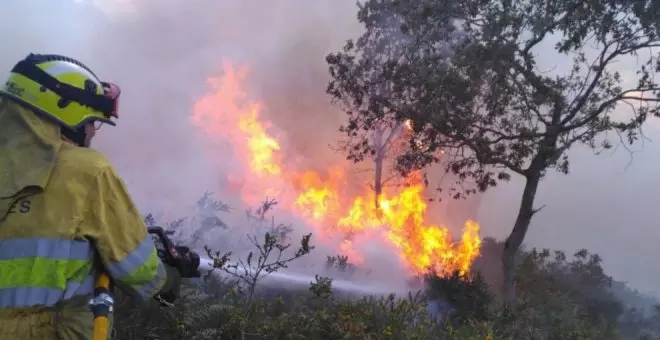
point(436, 308)
point(302, 280)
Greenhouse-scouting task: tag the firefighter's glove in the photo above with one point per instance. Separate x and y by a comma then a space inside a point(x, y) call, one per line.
point(171, 289)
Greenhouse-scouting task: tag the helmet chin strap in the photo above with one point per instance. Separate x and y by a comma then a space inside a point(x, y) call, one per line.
point(77, 136)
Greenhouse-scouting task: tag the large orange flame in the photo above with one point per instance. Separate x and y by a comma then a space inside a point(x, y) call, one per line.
point(228, 117)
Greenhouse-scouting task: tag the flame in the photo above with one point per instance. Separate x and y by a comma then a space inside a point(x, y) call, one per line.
point(327, 200)
point(260, 145)
point(319, 199)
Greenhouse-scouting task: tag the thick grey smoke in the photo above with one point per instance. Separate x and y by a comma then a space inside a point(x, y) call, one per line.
point(162, 51)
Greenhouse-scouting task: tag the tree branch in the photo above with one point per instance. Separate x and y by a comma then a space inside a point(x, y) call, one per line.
point(606, 104)
point(602, 66)
point(489, 159)
point(582, 99)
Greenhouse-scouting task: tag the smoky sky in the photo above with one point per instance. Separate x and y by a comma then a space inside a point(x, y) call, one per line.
point(161, 52)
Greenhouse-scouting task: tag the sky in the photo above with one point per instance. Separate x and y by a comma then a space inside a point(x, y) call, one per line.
point(161, 52)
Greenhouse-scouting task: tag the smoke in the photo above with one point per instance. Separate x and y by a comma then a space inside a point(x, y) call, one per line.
point(161, 52)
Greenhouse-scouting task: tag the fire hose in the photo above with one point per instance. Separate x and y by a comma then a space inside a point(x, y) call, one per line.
point(180, 257)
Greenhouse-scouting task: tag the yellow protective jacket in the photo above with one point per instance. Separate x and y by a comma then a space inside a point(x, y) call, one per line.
point(64, 215)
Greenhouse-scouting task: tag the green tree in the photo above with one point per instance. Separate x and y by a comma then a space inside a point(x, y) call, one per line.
point(466, 74)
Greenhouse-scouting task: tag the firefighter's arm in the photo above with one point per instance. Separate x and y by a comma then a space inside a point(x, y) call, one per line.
point(125, 247)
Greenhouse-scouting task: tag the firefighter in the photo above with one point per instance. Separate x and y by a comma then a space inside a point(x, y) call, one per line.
point(65, 215)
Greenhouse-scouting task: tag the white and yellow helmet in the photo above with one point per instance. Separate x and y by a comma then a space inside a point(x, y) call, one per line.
point(63, 90)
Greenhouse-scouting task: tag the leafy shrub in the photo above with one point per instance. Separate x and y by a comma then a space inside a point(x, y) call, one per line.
point(559, 298)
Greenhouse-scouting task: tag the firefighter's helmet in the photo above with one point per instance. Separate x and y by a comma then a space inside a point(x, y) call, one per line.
point(62, 89)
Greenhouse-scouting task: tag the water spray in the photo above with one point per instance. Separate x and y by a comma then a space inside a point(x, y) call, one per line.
point(302, 280)
point(436, 308)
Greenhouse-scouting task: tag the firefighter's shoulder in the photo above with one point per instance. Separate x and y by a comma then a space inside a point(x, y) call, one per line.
point(82, 162)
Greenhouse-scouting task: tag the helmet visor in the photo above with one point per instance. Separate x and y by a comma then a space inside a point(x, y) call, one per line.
point(112, 92)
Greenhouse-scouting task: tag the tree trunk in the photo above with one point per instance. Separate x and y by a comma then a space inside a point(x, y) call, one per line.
point(515, 239)
point(378, 180)
point(378, 166)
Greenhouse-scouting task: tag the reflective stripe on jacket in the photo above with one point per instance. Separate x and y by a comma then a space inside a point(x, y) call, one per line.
point(44, 271)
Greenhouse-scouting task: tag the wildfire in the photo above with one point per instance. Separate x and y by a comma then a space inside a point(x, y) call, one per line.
point(228, 117)
point(261, 146)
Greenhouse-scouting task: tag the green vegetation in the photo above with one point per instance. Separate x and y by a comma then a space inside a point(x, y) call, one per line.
point(559, 297)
